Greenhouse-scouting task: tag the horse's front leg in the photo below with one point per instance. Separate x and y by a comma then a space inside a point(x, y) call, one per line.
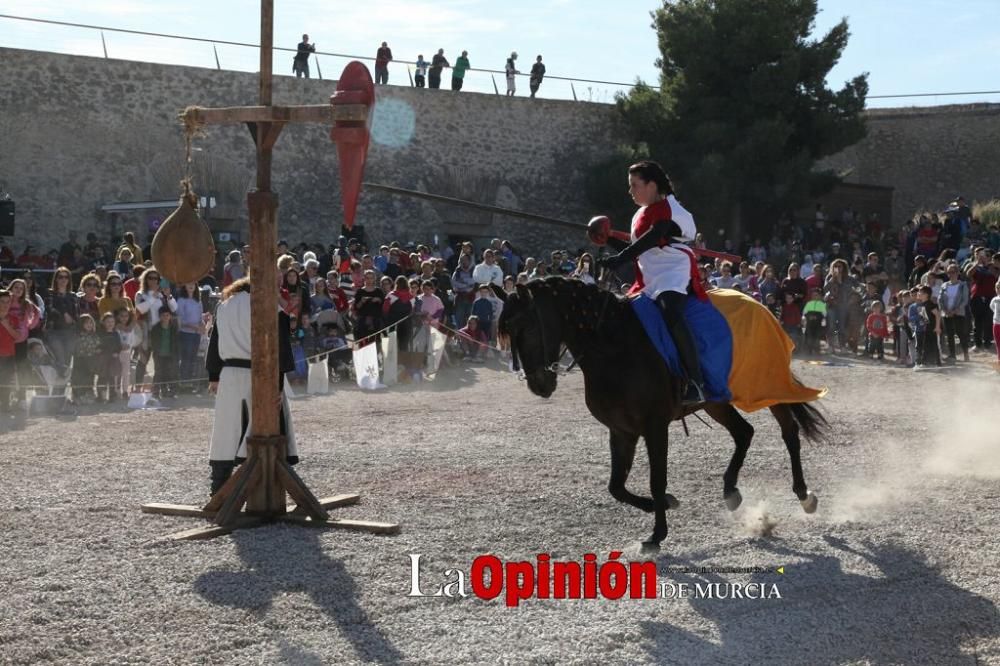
point(656, 448)
point(622, 456)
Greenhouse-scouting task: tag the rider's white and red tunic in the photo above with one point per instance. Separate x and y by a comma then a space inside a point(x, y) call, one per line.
point(671, 266)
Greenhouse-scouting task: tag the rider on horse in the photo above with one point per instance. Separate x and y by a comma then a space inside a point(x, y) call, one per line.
point(664, 266)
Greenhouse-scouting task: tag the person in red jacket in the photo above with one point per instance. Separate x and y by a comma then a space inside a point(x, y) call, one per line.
point(336, 292)
point(12, 332)
point(791, 317)
point(983, 277)
point(877, 324)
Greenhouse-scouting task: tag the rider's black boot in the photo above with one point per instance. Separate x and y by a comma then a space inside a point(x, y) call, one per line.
point(671, 305)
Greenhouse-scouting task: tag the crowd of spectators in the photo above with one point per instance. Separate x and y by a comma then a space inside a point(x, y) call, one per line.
point(845, 283)
point(92, 320)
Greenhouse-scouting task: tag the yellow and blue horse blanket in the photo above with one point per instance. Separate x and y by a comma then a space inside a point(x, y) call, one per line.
point(745, 354)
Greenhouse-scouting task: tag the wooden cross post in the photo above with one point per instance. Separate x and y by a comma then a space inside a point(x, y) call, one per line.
point(263, 480)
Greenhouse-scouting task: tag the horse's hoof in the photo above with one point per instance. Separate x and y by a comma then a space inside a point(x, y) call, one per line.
point(650, 546)
point(810, 502)
point(733, 499)
point(672, 502)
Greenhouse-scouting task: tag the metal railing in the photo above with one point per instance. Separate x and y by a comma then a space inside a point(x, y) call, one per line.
point(483, 80)
point(243, 59)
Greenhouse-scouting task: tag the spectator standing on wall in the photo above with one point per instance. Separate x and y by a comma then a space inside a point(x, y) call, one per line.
point(420, 75)
point(382, 59)
point(511, 72)
point(537, 74)
point(300, 65)
point(438, 62)
point(458, 71)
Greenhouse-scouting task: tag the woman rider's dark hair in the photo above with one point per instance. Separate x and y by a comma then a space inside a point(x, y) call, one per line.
point(650, 171)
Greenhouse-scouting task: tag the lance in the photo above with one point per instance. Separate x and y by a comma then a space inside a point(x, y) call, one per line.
point(598, 230)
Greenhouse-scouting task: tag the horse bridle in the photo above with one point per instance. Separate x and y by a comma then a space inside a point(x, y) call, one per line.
point(553, 367)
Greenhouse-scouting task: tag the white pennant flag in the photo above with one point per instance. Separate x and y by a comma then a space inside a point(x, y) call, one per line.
point(366, 367)
point(435, 351)
point(390, 365)
point(319, 377)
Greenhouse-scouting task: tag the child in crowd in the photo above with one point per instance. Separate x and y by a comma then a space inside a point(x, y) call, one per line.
point(814, 315)
point(334, 341)
point(130, 336)
point(725, 279)
point(109, 367)
point(307, 335)
point(901, 326)
point(771, 301)
point(86, 359)
point(791, 317)
point(472, 340)
point(926, 326)
point(483, 309)
point(296, 334)
point(165, 347)
point(877, 325)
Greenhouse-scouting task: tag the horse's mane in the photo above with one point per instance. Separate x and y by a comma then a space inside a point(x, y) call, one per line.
point(583, 304)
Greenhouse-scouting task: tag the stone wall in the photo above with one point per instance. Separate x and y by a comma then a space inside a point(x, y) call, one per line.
point(928, 155)
point(80, 132)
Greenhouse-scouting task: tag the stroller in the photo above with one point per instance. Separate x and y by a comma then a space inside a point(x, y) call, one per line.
point(43, 364)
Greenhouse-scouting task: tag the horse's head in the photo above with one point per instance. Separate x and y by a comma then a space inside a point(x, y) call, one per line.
point(530, 322)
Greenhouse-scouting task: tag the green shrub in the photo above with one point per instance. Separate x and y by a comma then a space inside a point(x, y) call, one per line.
point(988, 212)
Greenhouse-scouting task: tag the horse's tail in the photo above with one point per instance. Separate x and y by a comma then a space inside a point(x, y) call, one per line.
point(811, 421)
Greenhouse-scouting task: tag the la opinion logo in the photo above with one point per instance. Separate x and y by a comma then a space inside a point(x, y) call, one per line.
point(489, 577)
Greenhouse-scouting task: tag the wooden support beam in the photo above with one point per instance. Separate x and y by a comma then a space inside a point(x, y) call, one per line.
point(299, 492)
point(335, 501)
point(355, 525)
point(190, 510)
point(230, 510)
point(210, 532)
point(217, 500)
point(267, 495)
point(326, 114)
point(176, 510)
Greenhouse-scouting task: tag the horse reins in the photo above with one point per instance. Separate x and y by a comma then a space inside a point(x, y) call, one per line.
point(551, 367)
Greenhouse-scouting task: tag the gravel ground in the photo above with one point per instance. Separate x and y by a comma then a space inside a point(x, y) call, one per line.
point(899, 565)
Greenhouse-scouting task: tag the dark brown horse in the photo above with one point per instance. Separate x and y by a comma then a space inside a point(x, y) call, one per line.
point(628, 387)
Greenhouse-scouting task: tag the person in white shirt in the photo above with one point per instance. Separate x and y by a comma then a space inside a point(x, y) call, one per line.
point(664, 265)
point(488, 271)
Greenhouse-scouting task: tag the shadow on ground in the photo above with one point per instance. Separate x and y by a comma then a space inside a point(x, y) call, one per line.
point(283, 560)
point(907, 613)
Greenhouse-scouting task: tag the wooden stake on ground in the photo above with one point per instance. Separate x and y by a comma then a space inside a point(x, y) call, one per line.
point(264, 479)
